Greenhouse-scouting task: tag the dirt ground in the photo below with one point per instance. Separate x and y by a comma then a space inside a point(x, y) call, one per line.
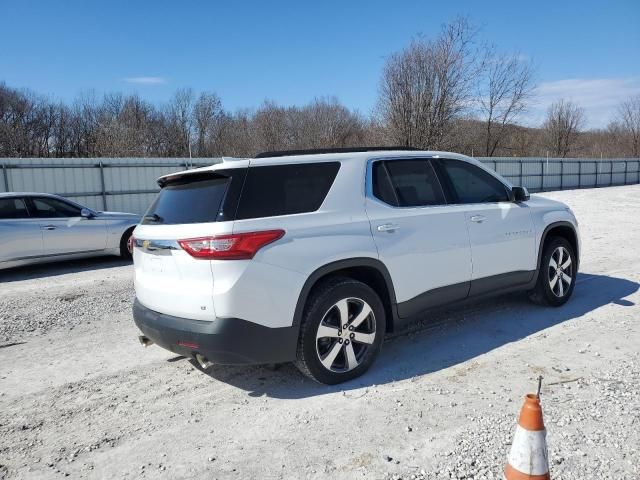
point(80, 397)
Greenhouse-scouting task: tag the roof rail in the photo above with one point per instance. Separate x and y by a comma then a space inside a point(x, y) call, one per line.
point(315, 151)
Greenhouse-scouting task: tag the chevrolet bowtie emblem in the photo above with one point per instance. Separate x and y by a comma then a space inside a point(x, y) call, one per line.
point(145, 244)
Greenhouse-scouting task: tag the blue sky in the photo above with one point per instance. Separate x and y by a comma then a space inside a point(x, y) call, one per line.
point(291, 52)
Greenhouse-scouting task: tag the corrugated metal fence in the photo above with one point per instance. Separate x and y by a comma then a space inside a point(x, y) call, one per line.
point(129, 184)
point(542, 174)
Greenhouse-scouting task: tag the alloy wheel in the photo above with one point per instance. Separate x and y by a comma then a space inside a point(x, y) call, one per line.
point(345, 334)
point(560, 273)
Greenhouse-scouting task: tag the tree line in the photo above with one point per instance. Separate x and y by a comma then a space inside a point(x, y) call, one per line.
point(451, 92)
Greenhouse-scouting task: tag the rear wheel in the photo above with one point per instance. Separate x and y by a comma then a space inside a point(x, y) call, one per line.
point(557, 275)
point(341, 331)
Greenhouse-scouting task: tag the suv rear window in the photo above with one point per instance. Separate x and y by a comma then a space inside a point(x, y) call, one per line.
point(190, 200)
point(275, 190)
point(243, 193)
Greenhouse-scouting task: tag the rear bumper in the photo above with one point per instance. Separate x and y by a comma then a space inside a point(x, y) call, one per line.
point(229, 341)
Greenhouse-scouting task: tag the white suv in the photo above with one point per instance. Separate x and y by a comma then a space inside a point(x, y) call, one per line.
point(311, 257)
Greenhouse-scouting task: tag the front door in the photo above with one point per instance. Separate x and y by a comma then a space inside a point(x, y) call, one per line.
point(421, 240)
point(500, 230)
point(65, 230)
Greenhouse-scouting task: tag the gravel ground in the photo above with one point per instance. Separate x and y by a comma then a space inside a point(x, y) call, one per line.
point(79, 397)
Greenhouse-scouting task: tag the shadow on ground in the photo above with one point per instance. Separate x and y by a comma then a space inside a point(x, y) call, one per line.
point(46, 270)
point(441, 339)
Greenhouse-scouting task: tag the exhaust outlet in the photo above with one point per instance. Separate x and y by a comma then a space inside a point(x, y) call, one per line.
point(145, 341)
point(202, 361)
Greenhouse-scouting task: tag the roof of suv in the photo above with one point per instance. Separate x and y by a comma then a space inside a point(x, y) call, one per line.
point(322, 157)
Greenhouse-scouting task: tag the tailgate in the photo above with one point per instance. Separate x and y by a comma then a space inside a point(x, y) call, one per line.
point(169, 280)
point(191, 205)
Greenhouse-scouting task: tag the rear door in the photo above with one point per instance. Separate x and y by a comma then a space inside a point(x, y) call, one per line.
point(20, 234)
point(167, 279)
point(500, 230)
point(423, 241)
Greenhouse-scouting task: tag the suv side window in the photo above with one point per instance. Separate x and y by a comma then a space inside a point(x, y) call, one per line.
point(274, 190)
point(470, 184)
point(406, 183)
point(13, 208)
point(53, 208)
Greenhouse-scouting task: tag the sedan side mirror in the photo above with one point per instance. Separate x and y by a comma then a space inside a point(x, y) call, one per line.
point(520, 194)
point(86, 213)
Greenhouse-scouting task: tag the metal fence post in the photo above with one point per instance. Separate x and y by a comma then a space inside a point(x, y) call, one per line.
point(5, 175)
point(595, 164)
point(104, 191)
point(579, 174)
point(520, 162)
point(625, 172)
point(610, 172)
point(542, 175)
point(561, 175)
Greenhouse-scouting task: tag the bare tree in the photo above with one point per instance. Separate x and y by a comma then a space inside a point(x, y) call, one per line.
point(271, 127)
point(629, 122)
point(427, 85)
point(564, 121)
point(508, 87)
point(207, 116)
point(180, 122)
point(237, 134)
point(327, 123)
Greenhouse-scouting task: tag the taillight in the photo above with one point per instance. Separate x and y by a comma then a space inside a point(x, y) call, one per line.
point(237, 246)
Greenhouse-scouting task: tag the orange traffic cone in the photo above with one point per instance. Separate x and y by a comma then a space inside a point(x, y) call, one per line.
point(528, 459)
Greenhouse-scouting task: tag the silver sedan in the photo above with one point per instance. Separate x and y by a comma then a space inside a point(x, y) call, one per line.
point(39, 227)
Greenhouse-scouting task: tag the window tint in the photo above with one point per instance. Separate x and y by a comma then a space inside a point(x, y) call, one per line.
point(382, 187)
point(54, 208)
point(11, 208)
point(411, 183)
point(471, 184)
point(194, 199)
point(285, 189)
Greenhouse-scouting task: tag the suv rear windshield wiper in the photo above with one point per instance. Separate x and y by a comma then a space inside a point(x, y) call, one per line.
point(154, 217)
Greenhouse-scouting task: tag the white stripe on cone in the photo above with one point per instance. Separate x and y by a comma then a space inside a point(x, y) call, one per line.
point(529, 452)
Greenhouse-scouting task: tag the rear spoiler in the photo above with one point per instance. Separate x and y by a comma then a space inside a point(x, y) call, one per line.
point(203, 172)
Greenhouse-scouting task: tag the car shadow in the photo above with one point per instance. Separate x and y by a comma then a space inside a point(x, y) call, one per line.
point(44, 270)
point(441, 339)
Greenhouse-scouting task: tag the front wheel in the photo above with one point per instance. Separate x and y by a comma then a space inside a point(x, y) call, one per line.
point(557, 274)
point(125, 246)
point(341, 331)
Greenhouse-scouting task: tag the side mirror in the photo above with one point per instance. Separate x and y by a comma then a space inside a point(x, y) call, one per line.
point(86, 213)
point(520, 194)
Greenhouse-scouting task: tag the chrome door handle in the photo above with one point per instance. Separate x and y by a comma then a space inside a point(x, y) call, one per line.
point(478, 218)
point(388, 227)
point(49, 227)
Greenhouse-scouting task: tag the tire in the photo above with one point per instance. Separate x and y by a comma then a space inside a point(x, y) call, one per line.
point(555, 283)
point(347, 353)
point(124, 247)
